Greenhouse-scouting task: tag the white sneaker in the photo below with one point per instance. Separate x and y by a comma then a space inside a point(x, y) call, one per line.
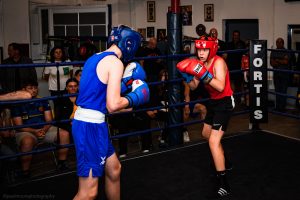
point(186, 137)
point(122, 156)
point(146, 151)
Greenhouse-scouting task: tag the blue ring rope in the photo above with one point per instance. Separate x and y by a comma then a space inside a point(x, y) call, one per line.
point(153, 83)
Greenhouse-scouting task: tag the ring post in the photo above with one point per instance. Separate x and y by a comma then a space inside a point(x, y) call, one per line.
point(174, 29)
point(258, 84)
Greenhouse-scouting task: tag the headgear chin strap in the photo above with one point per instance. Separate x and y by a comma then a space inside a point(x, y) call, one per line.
point(207, 43)
point(126, 39)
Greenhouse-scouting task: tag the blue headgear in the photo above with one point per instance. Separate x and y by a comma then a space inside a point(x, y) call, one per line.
point(126, 39)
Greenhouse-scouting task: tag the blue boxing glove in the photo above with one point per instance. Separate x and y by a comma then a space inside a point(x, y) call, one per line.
point(187, 77)
point(133, 71)
point(139, 95)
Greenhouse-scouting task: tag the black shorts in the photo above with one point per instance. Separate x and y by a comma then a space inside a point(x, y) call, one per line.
point(219, 112)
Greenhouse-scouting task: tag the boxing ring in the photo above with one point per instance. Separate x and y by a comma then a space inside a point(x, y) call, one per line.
point(265, 161)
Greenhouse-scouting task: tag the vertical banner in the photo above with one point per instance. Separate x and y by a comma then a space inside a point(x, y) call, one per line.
point(258, 81)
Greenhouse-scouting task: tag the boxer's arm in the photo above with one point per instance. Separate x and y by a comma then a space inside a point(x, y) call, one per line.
point(110, 71)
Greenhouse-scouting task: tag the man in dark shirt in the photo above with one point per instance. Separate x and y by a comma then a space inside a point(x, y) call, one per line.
point(280, 60)
point(214, 34)
point(28, 137)
point(12, 79)
point(152, 67)
point(66, 105)
point(234, 62)
point(221, 44)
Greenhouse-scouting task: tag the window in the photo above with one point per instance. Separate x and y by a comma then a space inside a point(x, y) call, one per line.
point(79, 22)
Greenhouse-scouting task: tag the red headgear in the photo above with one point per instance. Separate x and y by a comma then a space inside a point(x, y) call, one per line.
point(207, 43)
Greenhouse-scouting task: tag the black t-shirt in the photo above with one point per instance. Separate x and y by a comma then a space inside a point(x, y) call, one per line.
point(152, 67)
point(64, 111)
point(12, 79)
point(222, 45)
point(234, 59)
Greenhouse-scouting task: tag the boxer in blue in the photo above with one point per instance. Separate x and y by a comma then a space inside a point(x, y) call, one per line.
point(100, 92)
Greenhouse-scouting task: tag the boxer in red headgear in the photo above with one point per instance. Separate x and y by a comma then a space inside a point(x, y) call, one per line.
point(211, 70)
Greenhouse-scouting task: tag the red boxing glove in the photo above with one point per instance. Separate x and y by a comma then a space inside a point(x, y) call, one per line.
point(196, 68)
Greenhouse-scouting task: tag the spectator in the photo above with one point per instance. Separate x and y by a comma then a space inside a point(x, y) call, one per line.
point(28, 137)
point(222, 45)
point(142, 121)
point(11, 79)
point(77, 75)
point(130, 122)
point(86, 50)
point(7, 147)
point(193, 110)
point(5, 120)
point(297, 80)
point(162, 43)
point(201, 30)
point(151, 67)
point(122, 124)
point(66, 105)
point(245, 64)
point(234, 62)
point(7, 142)
point(193, 95)
point(57, 55)
point(280, 60)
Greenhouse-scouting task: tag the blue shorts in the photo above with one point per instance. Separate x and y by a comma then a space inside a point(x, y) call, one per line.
point(93, 147)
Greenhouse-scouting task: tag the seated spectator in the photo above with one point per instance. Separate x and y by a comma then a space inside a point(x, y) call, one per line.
point(192, 110)
point(67, 104)
point(77, 75)
point(131, 122)
point(57, 55)
point(7, 147)
point(28, 137)
point(122, 124)
point(162, 100)
point(142, 121)
point(7, 137)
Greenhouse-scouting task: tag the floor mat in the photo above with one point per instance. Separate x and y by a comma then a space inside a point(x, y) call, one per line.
point(265, 166)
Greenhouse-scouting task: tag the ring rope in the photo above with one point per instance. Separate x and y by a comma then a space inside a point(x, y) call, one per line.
point(140, 110)
point(284, 70)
